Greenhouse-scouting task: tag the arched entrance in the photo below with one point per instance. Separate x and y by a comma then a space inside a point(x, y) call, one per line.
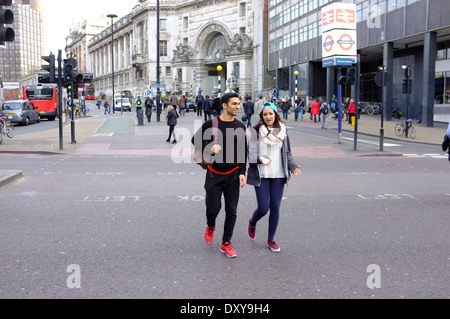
point(212, 42)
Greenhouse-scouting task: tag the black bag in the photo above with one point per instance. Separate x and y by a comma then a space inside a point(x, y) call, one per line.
point(198, 154)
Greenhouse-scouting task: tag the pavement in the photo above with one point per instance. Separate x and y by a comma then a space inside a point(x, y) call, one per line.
point(47, 142)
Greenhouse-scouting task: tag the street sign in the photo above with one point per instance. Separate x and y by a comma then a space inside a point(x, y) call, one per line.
point(339, 43)
point(339, 16)
point(339, 61)
point(339, 47)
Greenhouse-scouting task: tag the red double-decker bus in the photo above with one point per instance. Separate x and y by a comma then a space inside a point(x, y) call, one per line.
point(88, 89)
point(44, 98)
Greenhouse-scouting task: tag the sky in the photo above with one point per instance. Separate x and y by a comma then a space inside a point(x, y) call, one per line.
point(59, 16)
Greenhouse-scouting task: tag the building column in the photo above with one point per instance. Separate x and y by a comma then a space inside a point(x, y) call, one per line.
point(388, 62)
point(429, 70)
point(331, 84)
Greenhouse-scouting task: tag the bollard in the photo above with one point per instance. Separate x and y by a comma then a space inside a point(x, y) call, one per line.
point(140, 116)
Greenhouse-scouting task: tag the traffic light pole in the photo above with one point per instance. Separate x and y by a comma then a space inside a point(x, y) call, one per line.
point(72, 122)
point(60, 86)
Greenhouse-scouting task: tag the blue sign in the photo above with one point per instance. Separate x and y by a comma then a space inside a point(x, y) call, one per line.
point(149, 92)
point(338, 61)
point(274, 95)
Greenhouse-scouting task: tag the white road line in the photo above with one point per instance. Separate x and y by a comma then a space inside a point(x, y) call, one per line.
point(372, 142)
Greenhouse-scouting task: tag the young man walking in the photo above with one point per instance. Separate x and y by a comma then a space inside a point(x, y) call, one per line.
point(227, 155)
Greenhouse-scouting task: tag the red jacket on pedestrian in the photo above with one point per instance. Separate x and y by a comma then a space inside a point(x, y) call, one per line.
point(315, 108)
point(351, 108)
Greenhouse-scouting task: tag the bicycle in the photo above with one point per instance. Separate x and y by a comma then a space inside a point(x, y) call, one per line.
point(373, 109)
point(400, 129)
point(6, 128)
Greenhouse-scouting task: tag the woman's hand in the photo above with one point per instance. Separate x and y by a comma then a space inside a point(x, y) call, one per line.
point(296, 171)
point(265, 160)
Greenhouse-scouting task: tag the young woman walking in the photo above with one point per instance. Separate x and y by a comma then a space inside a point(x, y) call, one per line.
point(271, 165)
point(171, 122)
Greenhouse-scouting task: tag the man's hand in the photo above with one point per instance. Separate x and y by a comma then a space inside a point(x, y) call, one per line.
point(242, 180)
point(216, 149)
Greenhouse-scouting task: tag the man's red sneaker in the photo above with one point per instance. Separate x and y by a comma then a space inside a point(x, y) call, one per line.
point(209, 234)
point(228, 250)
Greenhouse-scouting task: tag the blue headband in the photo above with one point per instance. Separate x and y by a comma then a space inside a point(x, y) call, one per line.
point(271, 105)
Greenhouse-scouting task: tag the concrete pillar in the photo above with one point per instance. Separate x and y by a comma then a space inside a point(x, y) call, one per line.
point(429, 70)
point(331, 83)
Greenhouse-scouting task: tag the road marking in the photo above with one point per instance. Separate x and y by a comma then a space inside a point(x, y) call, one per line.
point(372, 142)
point(437, 156)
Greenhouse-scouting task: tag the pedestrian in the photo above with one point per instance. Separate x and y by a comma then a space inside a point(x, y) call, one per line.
point(285, 108)
point(106, 106)
point(77, 109)
point(346, 105)
point(351, 110)
point(333, 103)
point(249, 110)
point(226, 172)
point(446, 142)
point(138, 105)
point(206, 106)
point(271, 166)
point(300, 108)
point(171, 122)
point(216, 108)
point(99, 102)
point(182, 105)
point(148, 108)
point(199, 103)
point(174, 101)
point(259, 104)
point(315, 107)
point(325, 110)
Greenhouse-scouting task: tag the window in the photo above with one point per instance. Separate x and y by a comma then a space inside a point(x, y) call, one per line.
point(442, 88)
point(303, 7)
point(163, 48)
point(313, 30)
point(163, 25)
point(185, 23)
point(168, 70)
point(242, 9)
point(303, 34)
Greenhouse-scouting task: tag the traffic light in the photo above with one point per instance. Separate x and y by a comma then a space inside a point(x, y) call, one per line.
point(50, 68)
point(78, 77)
point(6, 17)
point(68, 70)
point(349, 78)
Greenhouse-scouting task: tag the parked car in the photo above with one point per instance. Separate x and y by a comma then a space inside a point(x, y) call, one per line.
point(20, 111)
point(123, 102)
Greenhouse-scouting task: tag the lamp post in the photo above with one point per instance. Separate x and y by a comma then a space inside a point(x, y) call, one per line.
point(296, 82)
point(158, 85)
point(383, 83)
point(112, 16)
point(219, 68)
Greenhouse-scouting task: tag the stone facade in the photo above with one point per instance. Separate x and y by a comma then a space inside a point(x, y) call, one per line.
point(195, 38)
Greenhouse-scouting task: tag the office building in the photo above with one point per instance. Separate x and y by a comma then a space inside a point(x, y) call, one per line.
point(394, 34)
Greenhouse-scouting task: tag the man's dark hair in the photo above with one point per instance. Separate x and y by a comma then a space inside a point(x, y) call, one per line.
point(227, 97)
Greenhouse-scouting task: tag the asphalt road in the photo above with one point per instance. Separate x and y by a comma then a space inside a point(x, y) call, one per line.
point(124, 222)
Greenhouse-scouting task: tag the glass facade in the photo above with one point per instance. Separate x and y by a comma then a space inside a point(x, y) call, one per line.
point(23, 56)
